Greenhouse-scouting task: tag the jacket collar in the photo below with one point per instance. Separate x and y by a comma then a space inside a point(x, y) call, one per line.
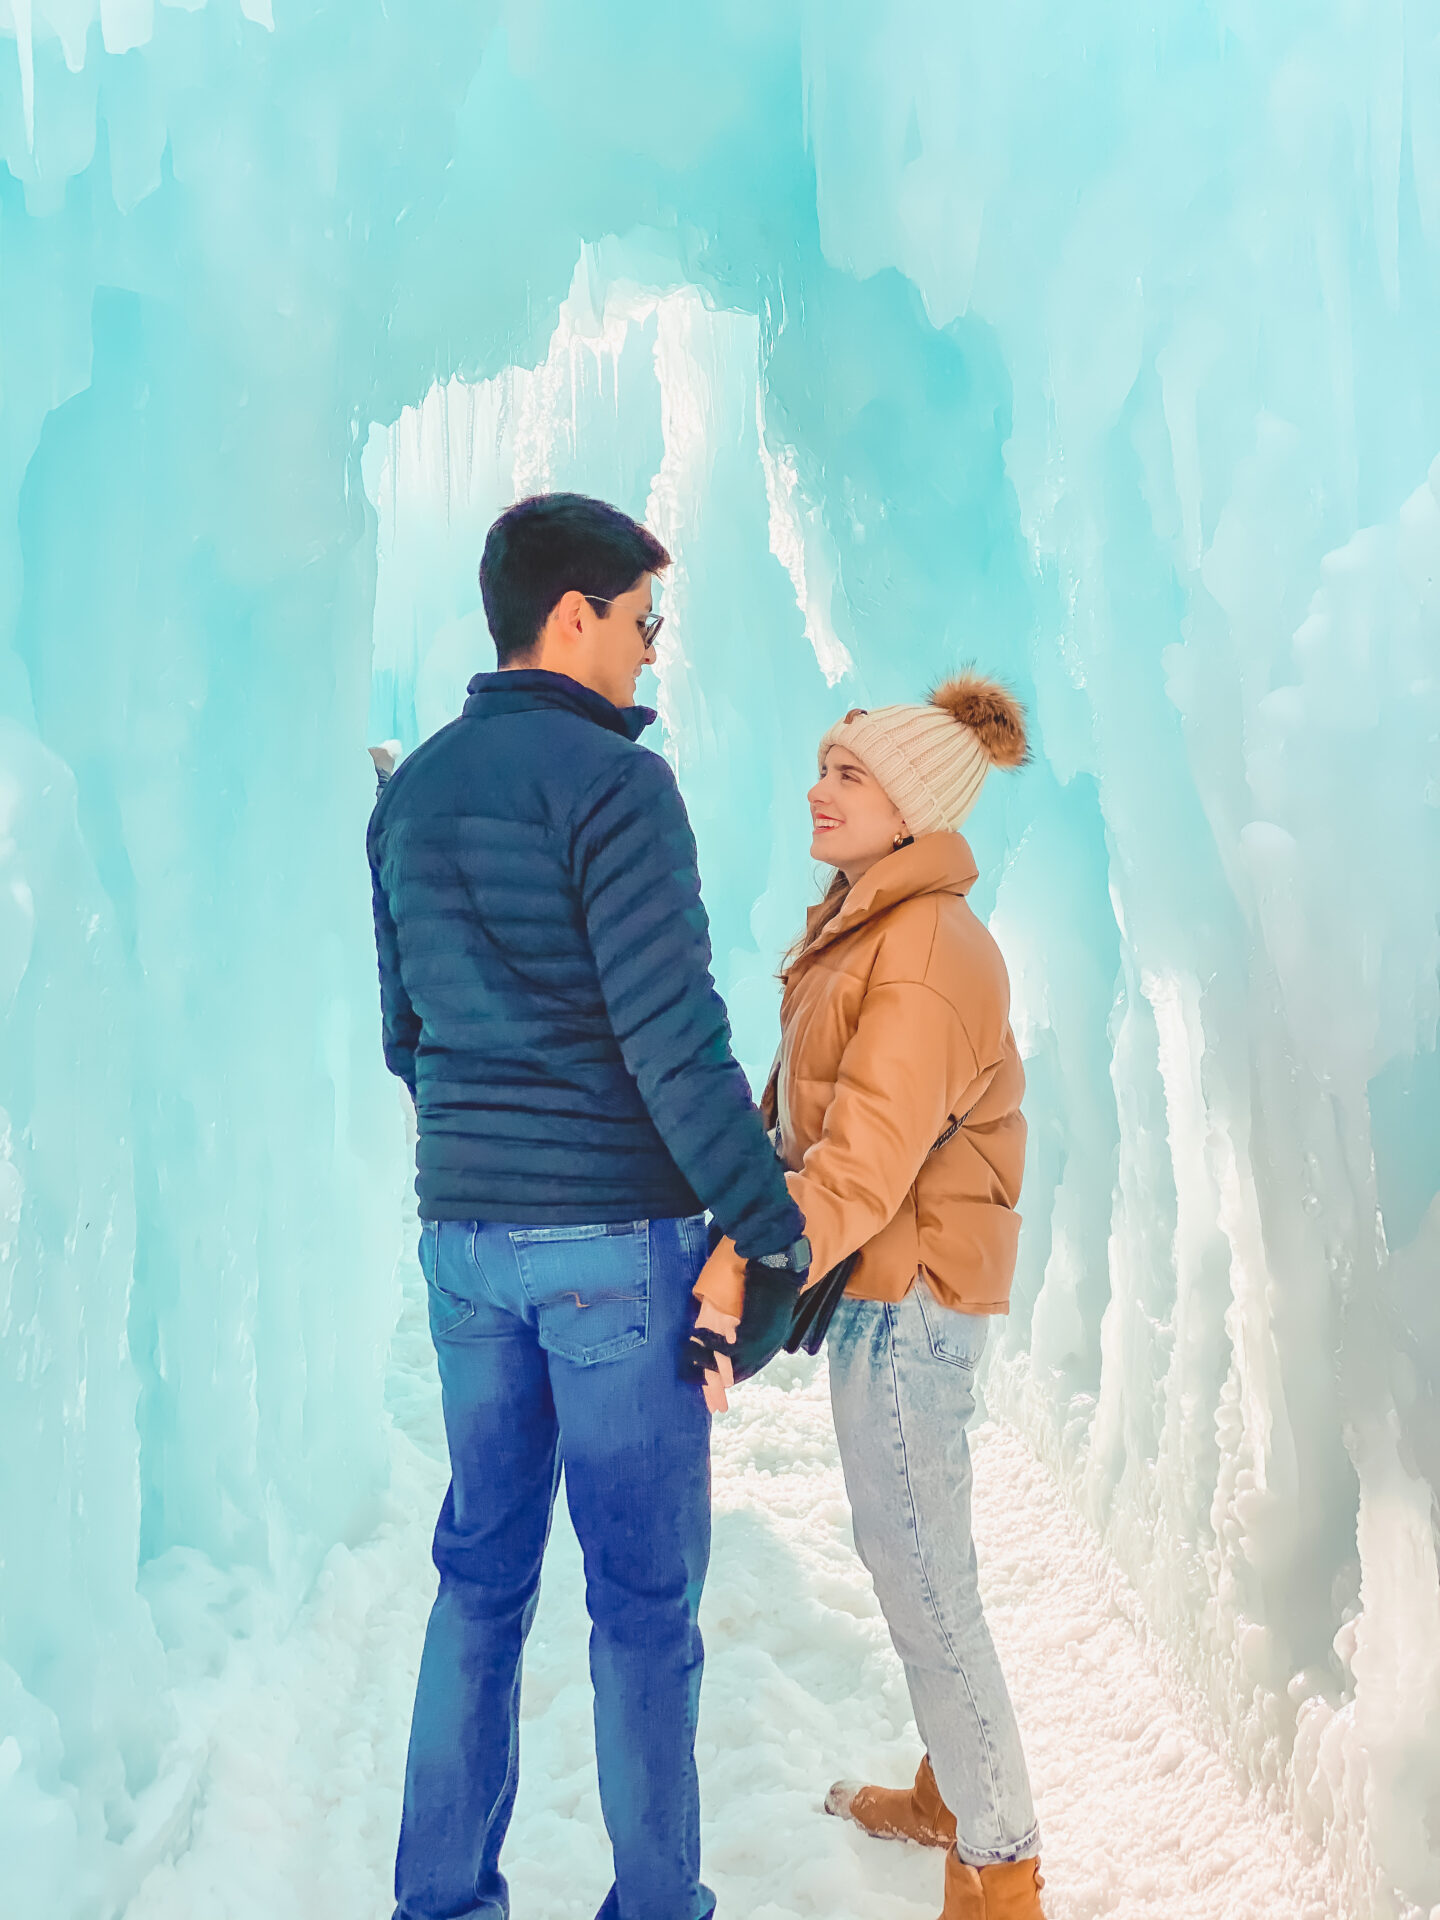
point(935, 863)
point(527, 689)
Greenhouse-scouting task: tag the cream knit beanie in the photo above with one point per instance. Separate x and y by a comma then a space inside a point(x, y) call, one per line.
point(931, 760)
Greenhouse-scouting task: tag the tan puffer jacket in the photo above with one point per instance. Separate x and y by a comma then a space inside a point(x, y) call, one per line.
point(894, 1022)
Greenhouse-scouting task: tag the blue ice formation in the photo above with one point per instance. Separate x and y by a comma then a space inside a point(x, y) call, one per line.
point(1094, 343)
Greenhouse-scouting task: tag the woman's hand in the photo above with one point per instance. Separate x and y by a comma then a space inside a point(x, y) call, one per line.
point(716, 1379)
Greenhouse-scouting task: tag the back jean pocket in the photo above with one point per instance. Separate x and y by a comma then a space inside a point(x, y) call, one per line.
point(589, 1286)
point(447, 1310)
point(956, 1337)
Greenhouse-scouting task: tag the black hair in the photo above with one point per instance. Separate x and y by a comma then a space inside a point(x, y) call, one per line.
point(542, 548)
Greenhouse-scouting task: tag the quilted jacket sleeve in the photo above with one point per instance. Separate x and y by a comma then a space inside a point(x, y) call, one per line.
point(639, 887)
point(400, 1024)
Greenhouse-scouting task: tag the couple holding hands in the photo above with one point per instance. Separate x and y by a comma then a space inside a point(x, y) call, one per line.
point(546, 996)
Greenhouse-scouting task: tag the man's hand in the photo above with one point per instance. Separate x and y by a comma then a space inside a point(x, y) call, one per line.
point(704, 1358)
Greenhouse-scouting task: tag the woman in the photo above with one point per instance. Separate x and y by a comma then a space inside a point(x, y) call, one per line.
point(897, 1096)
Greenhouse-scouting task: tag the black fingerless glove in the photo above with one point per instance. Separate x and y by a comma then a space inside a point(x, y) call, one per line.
point(772, 1288)
point(697, 1356)
point(770, 1296)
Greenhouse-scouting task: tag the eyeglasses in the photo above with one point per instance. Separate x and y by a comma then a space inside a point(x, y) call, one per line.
point(649, 626)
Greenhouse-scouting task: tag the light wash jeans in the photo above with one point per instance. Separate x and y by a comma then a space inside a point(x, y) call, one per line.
point(902, 1383)
point(559, 1347)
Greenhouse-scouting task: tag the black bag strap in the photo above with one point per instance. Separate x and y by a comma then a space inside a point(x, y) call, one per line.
point(952, 1127)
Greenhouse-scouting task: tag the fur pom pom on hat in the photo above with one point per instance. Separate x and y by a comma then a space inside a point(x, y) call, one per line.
point(932, 760)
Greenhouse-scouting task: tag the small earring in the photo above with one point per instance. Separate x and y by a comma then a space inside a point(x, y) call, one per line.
point(901, 840)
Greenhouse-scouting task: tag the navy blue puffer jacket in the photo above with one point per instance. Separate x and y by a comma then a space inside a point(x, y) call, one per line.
point(544, 976)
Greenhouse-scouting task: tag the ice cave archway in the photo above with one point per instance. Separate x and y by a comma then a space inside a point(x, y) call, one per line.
point(1097, 348)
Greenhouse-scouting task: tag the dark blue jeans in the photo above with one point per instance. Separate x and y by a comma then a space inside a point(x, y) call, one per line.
point(559, 1346)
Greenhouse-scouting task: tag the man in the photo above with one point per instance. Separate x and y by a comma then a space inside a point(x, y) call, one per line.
point(544, 974)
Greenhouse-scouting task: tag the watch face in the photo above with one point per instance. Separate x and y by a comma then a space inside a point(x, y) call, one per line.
point(800, 1253)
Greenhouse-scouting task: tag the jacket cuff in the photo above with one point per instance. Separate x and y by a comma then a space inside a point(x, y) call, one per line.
point(780, 1227)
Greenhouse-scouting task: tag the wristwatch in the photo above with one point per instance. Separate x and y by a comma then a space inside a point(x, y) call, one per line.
point(795, 1258)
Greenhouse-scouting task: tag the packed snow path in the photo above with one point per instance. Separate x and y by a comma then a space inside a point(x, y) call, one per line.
point(1141, 1819)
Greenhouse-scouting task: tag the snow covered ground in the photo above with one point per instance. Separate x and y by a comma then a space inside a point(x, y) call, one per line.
point(1141, 1817)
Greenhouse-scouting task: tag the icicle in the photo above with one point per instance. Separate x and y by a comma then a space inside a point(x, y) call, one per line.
point(25, 54)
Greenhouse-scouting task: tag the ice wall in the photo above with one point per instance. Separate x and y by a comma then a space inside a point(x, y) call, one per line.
point(1095, 344)
point(1207, 254)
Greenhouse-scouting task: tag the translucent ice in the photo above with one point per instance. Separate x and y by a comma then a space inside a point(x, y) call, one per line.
point(1094, 343)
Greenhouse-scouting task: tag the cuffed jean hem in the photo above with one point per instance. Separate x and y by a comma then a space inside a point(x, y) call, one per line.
point(1026, 1849)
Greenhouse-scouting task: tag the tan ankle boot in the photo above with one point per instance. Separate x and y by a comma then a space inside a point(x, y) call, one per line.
point(897, 1813)
point(1010, 1891)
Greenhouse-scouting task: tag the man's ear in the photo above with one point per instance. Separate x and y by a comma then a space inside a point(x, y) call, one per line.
point(562, 624)
point(571, 608)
